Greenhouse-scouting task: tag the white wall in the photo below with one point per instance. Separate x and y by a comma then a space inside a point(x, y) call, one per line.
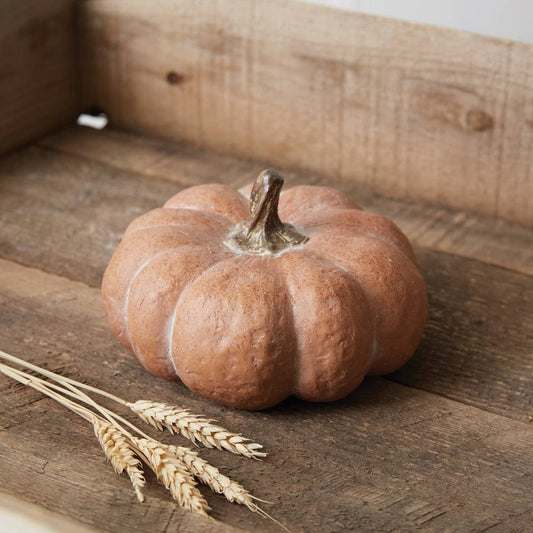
point(507, 19)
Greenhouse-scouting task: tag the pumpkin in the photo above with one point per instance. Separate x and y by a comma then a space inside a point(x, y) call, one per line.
point(215, 290)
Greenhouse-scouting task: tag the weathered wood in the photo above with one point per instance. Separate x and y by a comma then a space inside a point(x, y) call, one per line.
point(427, 226)
point(66, 214)
point(388, 457)
point(477, 346)
point(38, 80)
point(406, 109)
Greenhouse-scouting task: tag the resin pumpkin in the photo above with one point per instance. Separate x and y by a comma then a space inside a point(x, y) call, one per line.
point(248, 307)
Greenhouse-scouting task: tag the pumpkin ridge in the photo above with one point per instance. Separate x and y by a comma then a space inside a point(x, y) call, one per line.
point(360, 233)
point(116, 278)
point(132, 279)
point(238, 320)
point(204, 198)
point(308, 368)
point(333, 225)
point(172, 321)
point(147, 317)
point(297, 355)
point(336, 266)
point(378, 357)
point(162, 226)
point(331, 261)
point(321, 198)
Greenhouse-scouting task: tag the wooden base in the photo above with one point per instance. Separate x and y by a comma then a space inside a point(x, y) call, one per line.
point(446, 443)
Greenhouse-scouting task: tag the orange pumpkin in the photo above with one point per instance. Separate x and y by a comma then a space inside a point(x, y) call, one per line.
point(247, 310)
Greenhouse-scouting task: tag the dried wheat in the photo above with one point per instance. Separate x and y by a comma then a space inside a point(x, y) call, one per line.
point(195, 428)
point(213, 478)
point(174, 474)
point(119, 453)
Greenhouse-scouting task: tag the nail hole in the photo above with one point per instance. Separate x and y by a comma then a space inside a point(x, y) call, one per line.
point(93, 117)
point(174, 78)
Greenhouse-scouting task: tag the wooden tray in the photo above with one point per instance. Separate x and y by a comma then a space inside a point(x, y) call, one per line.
point(446, 443)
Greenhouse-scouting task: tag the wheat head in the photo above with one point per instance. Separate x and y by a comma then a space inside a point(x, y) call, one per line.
point(119, 453)
point(213, 478)
point(195, 428)
point(174, 474)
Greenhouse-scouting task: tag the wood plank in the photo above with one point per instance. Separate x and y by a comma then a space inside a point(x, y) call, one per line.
point(408, 110)
point(38, 79)
point(66, 214)
point(388, 457)
point(429, 226)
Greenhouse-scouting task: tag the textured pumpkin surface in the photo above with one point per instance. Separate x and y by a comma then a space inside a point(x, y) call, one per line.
point(250, 329)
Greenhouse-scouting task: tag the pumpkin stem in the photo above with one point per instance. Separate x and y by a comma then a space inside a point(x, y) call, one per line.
point(265, 233)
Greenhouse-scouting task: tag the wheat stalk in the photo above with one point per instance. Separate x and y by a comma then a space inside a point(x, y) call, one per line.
point(174, 474)
point(119, 453)
point(195, 428)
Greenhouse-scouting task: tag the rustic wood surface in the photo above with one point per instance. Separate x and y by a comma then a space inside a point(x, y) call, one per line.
point(38, 78)
point(407, 109)
point(457, 455)
point(427, 225)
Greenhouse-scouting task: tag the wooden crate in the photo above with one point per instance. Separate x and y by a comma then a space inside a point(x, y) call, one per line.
point(431, 127)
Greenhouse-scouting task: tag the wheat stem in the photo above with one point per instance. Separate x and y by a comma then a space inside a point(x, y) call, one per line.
point(79, 395)
point(29, 381)
point(59, 378)
point(113, 442)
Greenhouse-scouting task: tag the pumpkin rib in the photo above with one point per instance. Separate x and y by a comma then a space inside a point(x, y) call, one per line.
point(167, 276)
point(332, 220)
point(171, 240)
point(364, 235)
point(137, 248)
point(214, 218)
point(310, 198)
point(170, 324)
point(132, 279)
point(212, 198)
point(396, 336)
point(332, 336)
point(235, 344)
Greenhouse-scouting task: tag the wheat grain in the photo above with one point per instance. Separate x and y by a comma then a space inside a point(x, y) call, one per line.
point(213, 478)
point(119, 453)
point(195, 428)
point(174, 474)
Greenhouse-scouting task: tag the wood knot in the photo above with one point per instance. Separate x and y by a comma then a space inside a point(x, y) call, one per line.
point(173, 78)
point(478, 120)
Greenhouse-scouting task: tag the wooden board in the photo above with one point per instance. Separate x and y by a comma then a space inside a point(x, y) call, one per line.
point(444, 444)
point(427, 225)
point(408, 110)
point(38, 79)
point(389, 457)
point(63, 211)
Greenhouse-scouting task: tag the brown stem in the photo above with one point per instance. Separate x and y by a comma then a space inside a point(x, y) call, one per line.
point(265, 233)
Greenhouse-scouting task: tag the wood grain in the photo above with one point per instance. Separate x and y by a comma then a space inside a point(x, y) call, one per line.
point(407, 110)
point(388, 457)
point(427, 225)
point(38, 79)
point(66, 214)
